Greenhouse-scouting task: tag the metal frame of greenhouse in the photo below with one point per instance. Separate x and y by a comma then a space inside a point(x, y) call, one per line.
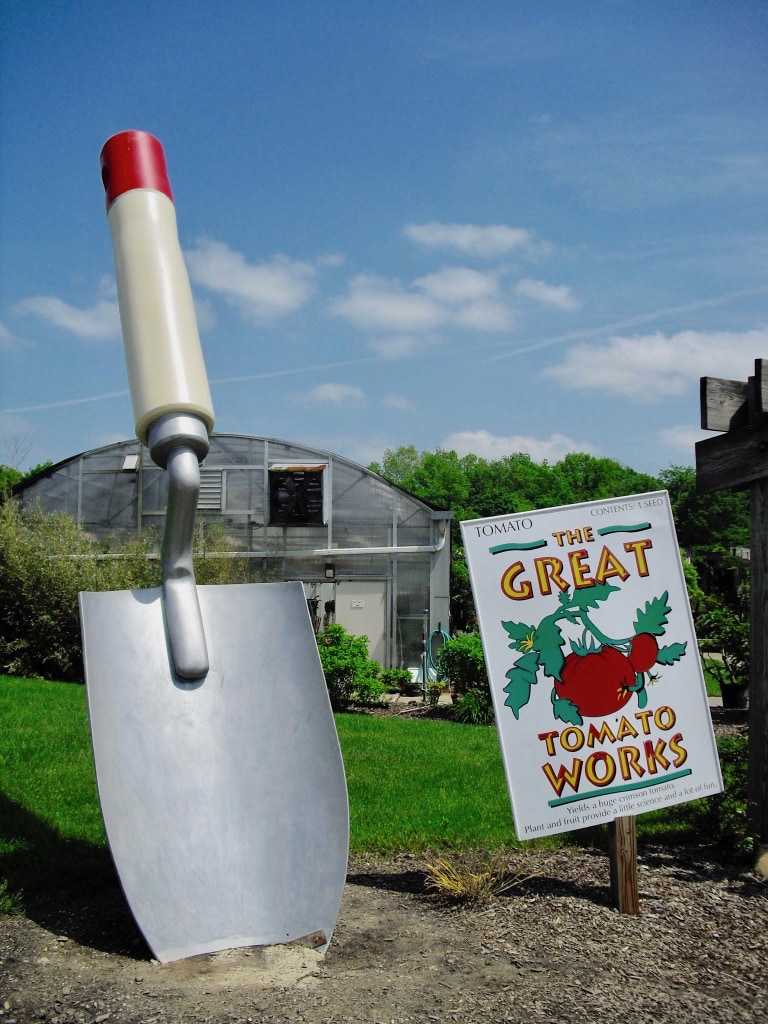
point(371, 556)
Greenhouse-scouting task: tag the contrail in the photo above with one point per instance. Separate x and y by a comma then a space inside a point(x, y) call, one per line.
point(65, 402)
point(299, 369)
point(222, 380)
point(623, 325)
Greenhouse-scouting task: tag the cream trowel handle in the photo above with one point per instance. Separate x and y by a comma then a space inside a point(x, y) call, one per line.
point(162, 347)
point(172, 406)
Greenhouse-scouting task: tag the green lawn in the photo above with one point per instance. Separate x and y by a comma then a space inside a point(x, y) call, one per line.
point(413, 786)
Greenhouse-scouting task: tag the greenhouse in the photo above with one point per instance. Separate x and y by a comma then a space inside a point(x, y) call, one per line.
point(371, 556)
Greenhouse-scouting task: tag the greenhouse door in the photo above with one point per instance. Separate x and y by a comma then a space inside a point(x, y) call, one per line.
point(361, 608)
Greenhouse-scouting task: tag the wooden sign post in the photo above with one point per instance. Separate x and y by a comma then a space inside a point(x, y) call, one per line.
point(738, 457)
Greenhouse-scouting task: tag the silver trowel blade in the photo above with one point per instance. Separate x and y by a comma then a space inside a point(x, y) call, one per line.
point(224, 800)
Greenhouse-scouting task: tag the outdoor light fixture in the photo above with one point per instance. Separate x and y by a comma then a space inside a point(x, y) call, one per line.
point(330, 571)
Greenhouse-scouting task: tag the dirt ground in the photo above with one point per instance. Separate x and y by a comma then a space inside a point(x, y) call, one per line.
point(553, 949)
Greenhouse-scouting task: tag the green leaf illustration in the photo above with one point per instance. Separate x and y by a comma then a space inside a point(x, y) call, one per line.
point(590, 597)
point(670, 654)
point(566, 711)
point(519, 632)
point(653, 618)
point(587, 645)
point(549, 644)
point(522, 676)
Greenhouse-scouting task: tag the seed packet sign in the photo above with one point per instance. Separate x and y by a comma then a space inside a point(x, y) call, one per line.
point(594, 667)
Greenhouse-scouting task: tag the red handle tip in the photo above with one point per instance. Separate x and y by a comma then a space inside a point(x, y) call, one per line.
point(132, 160)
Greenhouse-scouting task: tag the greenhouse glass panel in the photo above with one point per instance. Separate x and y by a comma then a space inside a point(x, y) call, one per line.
point(244, 491)
point(59, 492)
point(230, 450)
point(358, 535)
point(109, 500)
point(154, 489)
point(358, 497)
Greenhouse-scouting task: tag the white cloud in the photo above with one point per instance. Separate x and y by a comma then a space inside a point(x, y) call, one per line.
point(338, 394)
point(618, 162)
point(652, 367)
point(397, 346)
point(331, 259)
point(98, 322)
point(492, 446)
point(454, 296)
point(457, 285)
point(10, 342)
point(203, 313)
point(487, 241)
point(375, 303)
point(559, 295)
point(682, 437)
point(485, 316)
point(263, 291)
point(399, 402)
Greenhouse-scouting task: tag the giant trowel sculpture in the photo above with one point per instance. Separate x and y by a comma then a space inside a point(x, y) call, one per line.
point(217, 760)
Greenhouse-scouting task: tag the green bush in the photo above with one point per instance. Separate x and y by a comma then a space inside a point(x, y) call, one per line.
point(727, 633)
point(723, 818)
point(351, 676)
point(46, 560)
point(474, 707)
point(462, 663)
point(397, 680)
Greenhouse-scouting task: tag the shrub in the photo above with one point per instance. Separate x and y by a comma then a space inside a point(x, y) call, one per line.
point(462, 663)
point(397, 680)
point(727, 632)
point(46, 560)
point(474, 707)
point(723, 817)
point(351, 676)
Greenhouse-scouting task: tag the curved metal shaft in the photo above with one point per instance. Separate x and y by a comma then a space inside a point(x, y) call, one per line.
point(182, 608)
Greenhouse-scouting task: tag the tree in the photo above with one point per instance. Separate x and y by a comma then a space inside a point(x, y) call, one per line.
point(436, 477)
point(9, 477)
point(706, 520)
point(589, 478)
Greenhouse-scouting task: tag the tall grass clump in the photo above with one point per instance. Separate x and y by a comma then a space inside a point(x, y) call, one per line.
point(476, 877)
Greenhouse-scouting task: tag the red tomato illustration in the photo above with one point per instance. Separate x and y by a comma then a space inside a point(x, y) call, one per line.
point(643, 652)
point(597, 683)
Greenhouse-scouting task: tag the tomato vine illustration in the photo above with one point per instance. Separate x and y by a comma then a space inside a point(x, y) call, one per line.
point(600, 674)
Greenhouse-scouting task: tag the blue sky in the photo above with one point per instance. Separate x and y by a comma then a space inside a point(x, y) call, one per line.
point(486, 226)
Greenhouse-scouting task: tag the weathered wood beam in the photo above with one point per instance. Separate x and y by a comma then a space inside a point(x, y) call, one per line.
point(724, 404)
point(735, 459)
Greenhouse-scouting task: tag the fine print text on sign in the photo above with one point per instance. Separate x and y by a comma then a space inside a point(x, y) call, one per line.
point(594, 667)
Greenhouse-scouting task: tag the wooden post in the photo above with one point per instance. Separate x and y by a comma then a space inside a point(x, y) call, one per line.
point(739, 458)
point(757, 774)
point(622, 845)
